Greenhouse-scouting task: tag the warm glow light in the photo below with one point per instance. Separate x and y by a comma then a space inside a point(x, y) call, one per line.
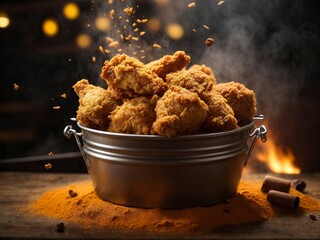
point(50, 27)
point(102, 23)
point(71, 11)
point(163, 2)
point(277, 159)
point(154, 24)
point(83, 40)
point(4, 20)
point(175, 31)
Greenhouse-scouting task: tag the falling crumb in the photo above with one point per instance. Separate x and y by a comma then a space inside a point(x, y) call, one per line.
point(206, 27)
point(119, 50)
point(111, 14)
point(15, 87)
point(121, 37)
point(50, 154)
point(142, 57)
point(107, 51)
point(69, 60)
point(155, 45)
point(134, 24)
point(109, 39)
point(63, 95)
point(194, 30)
point(135, 38)
point(136, 29)
point(110, 2)
point(142, 33)
point(128, 37)
point(114, 44)
point(94, 59)
point(128, 10)
point(60, 227)
point(142, 20)
point(142, 51)
point(127, 20)
point(101, 49)
point(209, 42)
point(120, 17)
point(72, 193)
point(56, 107)
point(191, 5)
point(48, 165)
point(134, 53)
point(220, 3)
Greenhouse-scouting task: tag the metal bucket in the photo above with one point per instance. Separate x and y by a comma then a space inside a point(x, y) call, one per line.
point(151, 171)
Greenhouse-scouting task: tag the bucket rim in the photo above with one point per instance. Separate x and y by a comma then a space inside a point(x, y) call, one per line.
point(158, 137)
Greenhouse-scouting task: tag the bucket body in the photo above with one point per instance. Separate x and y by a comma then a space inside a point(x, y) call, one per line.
point(153, 171)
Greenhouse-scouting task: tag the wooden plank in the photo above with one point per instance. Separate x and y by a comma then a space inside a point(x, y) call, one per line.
point(18, 189)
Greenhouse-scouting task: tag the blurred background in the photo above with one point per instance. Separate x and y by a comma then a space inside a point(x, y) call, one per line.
point(271, 46)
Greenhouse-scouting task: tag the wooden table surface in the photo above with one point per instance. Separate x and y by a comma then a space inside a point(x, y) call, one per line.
point(18, 189)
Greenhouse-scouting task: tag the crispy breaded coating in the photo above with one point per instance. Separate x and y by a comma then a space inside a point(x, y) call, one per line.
point(169, 63)
point(129, 78)
point(203, 68)
point(220, 117)
point(95, 105)
point(241, 99)
point(194, 80)
point(135, 116)
point(179, 112)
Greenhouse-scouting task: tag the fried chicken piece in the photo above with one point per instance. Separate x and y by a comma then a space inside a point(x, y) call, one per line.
point(95, 105)
point(169, 63)
point(220, 117)
point(134, 116)
point(129, 78)
point(179, 112)
point(194, 80)
point(203, 68)
point(241, 99)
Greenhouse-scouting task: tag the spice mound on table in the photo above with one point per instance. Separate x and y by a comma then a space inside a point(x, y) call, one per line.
point(248, 205)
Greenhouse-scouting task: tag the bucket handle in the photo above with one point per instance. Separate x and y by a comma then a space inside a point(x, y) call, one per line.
point(260, 131)
point(68, 132)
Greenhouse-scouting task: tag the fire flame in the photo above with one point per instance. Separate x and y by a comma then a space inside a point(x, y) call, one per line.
point(279, 160)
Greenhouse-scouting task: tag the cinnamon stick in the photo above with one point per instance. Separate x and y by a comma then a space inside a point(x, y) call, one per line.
point(275, 183)
point(298, 184)
point(283, 199)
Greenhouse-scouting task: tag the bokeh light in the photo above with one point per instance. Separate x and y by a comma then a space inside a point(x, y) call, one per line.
point(71, 11)
point(4, 20)
point(50, 27)
point(83, 40)
point(154, 24)
point(175, 31)
point(102, 23)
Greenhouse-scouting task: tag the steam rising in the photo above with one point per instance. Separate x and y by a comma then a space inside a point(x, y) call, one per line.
point(270, 46)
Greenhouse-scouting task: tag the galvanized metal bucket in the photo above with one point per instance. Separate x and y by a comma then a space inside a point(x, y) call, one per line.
point(152, 171)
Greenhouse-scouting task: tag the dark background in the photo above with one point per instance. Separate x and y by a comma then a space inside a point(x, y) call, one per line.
point(272, 46)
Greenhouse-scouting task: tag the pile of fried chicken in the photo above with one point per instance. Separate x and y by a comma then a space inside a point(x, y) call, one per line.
point(163, 97)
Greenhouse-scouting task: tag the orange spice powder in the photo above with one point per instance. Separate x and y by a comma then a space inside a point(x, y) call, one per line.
point(248, 205)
